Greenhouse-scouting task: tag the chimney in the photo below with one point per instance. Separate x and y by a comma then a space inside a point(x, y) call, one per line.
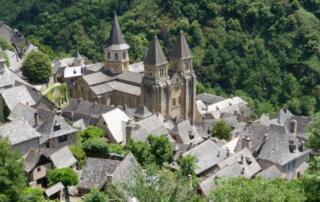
point(129, 127)
point(227, 152)
point(242, 171)
point(36, 121)
point(301, 146)
point(293, 126)
point(246, 142)
point(109, 178)
point(292, 146)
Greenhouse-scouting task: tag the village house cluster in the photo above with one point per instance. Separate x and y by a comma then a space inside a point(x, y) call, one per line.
point(132, 101)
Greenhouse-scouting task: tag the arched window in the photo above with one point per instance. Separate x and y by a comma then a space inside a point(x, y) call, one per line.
point(109, 56)
point(124, 55)
point(116, 56)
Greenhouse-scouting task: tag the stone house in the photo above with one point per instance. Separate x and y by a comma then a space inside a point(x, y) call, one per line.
point(21, 135)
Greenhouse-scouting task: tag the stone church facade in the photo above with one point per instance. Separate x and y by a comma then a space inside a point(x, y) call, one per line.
point(166, 87)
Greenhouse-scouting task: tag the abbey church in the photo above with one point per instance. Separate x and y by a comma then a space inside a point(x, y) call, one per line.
point(166, 86)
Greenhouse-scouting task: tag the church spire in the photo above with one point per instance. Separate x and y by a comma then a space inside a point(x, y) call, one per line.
point(155, 55)
point(181, 49)
point(116, 37)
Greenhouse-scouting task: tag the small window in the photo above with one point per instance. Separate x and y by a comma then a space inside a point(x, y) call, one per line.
point(174, 102)
point(124, 55)
point(38, 169)
point(109, 56)
point(63, 138)
point(116, 56)
point(47, 145)
point(187, 65)
point(180, 100)
point(161, 72)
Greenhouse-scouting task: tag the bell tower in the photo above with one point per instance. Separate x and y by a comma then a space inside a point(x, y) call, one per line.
point(116, 51)
point(156, 81)
point(181, 64)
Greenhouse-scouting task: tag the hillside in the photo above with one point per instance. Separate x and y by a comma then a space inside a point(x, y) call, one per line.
point(266, 52)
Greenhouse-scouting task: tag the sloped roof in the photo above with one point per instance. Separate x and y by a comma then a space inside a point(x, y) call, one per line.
point(18, 131)
point(116, 37)
point(7, 78)
point(155, 55)
point(114, 121)
point(23, 112)
point(276, 148)
point(125, 88)
point(63, 158)
point(95, 172)
point(270, 173)
point(208, 154)
point(181, 48)
point(247, 161)
point(54, 189)
point(209, 99)
point(130, 77)
point(16, 95)
point(31, 159)
point(187, 132)
point(96, 78)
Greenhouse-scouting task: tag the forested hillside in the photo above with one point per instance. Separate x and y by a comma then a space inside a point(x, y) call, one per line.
point(266, 52)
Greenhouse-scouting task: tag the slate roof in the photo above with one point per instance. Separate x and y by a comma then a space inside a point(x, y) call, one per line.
point(247, 161)
point(256, 132)
point(90, 112)
point(125, 88)
point(101, 89)
point(48, 121)
point(181, 48)
point(208, 184)
point(136, 67)
point(155, 55)
point(116, 37)
point(18, 131)
point(23, 112)
point(302, 125)
point(30, 160)
point(19, 94)
point(270, 173)
point(63, 158)
point(142, 112)
point(7, 78)
point(131, 78)
point(96, 78)
point(276, 148)
point(208, 98)
point(208, 154)
point(115, 120)
point(54, 189)
point(95, 67)
point(283, 116)
point(187, 132)
point(95, 172)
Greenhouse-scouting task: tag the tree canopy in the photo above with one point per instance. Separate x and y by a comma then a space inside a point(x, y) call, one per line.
point(12, 179)
point(95, 196)
point(313, 132)
point(37, 67)
point(311, 180)
point(251, 190)
point(221, 130)
point(187, 164)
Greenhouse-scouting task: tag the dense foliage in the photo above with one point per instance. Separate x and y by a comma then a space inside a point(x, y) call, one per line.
point(258, 189)
point(12, 179)
point(188, 164)
point(157, 150)
point(266, 50)
point(221, 130)
point(95, 196)
point(37, 67)
point(311, 180)
point(32, 194)
point(314, 133)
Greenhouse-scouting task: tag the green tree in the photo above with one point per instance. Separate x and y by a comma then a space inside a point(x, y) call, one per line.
point(12, 179)
point(161, 149)
point(251, 190)
point(311, 180)
point(188, 164)
point(95, 196)
point(91, 132)
point(141, 151)
point(95, 146)
point(313, 132)
point(67, 176)
point(37, 67)
point(32, 194)
point(221, 130)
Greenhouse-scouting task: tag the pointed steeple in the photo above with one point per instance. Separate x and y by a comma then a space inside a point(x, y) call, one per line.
point(116, 37)
point(155, 55)
point(181, 49)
